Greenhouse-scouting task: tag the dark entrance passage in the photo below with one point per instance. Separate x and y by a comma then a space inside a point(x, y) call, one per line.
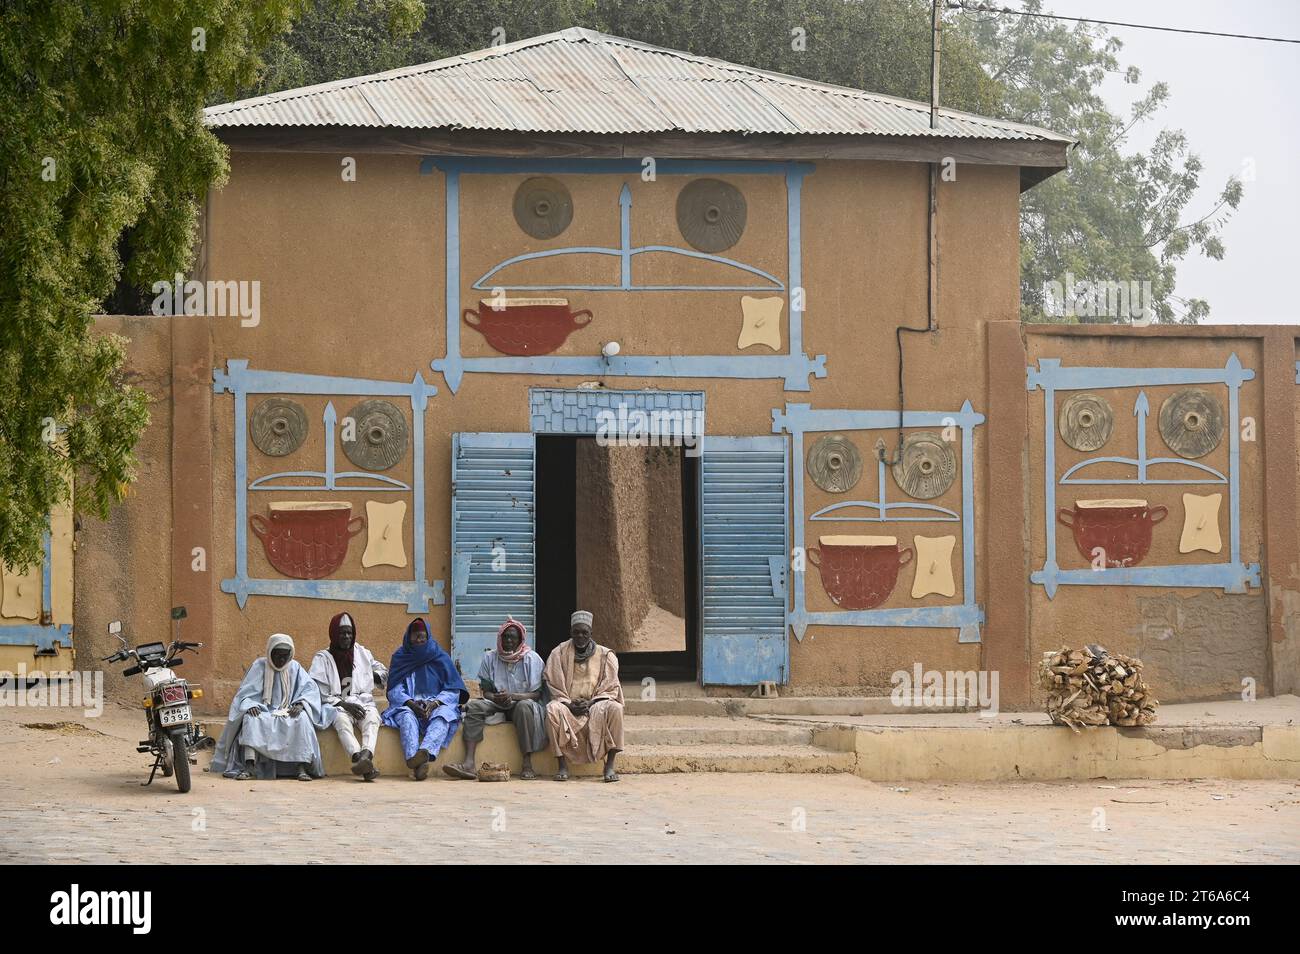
point(617, 533)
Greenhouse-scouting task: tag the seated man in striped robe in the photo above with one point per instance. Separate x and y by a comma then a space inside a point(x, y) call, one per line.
point(584, 718)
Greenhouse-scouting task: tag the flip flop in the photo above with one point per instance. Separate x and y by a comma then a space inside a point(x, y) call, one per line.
point(610, 778)
point(455, 771)
point(304, 777)
point(561, 778)
point(527, 775)
point(244, 777)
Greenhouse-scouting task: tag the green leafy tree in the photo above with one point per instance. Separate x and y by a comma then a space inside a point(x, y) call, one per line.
point(1116, 215)
point(877, 45)
point(328, 43)
point(104, 162)
point(881, 45)
point(370, 37)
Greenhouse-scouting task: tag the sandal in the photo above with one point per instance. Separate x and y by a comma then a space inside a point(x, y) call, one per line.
point(457, 771)
point(303, 776)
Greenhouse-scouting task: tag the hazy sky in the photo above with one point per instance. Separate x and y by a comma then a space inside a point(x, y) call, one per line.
point(1236, 100)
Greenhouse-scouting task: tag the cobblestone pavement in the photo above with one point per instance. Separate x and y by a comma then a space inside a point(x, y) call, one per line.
point(70, 792)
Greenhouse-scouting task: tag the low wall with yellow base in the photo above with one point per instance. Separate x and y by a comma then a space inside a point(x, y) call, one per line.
point(24, 659)
point(1042, 752)
point(499, 744)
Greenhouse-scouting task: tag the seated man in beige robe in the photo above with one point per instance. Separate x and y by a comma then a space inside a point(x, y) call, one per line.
point(584, 719)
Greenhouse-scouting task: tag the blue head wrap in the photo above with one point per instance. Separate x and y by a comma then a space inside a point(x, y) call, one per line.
point(431, 668)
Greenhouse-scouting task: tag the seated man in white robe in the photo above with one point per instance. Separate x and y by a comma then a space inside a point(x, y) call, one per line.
point(271, 727)
point(347, 674)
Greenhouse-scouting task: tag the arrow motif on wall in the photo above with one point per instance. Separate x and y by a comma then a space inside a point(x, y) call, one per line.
point(625, 234)
point(1141, 409)
point(625, 252)
point(1142, 462)
point(331, 418)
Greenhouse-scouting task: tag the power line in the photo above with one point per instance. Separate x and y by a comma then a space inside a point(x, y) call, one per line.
point(989, 8)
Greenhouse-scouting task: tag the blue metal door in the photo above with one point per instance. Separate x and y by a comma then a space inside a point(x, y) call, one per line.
point(745, 552)
point(492, 540)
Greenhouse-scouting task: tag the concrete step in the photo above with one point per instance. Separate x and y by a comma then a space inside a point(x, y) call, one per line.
point(678, 730)
point(736, 707)
point(662, 759)
point(666, 689)
point(652, 744)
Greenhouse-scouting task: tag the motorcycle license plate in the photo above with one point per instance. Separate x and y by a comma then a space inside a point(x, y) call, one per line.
point(175, 715)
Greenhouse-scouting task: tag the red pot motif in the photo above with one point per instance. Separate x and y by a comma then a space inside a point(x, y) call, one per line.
point(526, 326)
point(1121, 528)
point(306, 540)
point(859, 572)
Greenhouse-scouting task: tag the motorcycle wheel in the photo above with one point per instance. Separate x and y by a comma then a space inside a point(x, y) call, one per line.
point(180, 758)
point(165, 767)
point(165, 770)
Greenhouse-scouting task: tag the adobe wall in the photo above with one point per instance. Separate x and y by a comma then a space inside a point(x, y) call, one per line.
point(1198, 642)
point(352, 284)
point(122, 566)
point(629, 541)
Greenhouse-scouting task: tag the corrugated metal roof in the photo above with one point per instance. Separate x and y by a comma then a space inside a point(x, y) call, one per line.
point(579, 81)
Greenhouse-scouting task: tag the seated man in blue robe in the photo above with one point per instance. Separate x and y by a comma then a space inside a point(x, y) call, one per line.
point(271, 732)
point(425, 693)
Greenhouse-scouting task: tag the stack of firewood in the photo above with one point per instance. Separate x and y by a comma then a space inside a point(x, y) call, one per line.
point(1091, 686)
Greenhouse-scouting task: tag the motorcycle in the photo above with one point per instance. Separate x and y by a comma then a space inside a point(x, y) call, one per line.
point(174, 736)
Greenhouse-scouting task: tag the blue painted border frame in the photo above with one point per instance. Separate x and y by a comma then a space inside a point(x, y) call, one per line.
point(39, 635)
point(1050, 377)
point(240, 381)
point(800, 419)
point(793, 367)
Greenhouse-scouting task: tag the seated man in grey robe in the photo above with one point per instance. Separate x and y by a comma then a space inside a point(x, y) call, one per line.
point(510, 678)
point(346, 674)
point(271, 727)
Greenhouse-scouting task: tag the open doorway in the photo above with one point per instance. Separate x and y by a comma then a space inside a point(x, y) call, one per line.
point(617, 533)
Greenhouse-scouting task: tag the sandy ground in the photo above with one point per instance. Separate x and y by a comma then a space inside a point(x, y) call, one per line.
point(662, 631)
point(72, 793)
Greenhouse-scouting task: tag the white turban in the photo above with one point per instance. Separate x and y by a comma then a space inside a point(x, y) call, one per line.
point(581, 616)
point(269, 675)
